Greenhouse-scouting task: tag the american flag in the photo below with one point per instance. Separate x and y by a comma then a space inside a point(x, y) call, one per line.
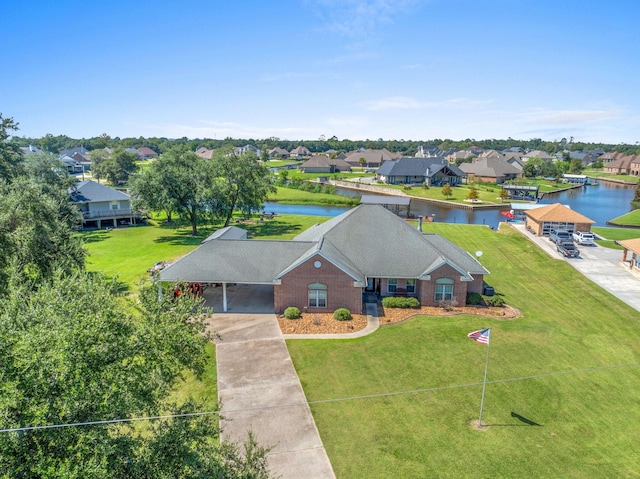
point(480, 336)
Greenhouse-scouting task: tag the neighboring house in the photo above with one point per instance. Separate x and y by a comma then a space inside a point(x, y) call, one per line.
point(72, 165)
point(366, 251)
point(633, 246)
point(240, 150)
point(370, 158)
point(585, 158)
point(300, 152)
point(323, 164)
point(205, 153)
point(610, 156)
point(31, 150)
point(432, 151)
point(146, 153)
point(623, 165)
point(459, 156)
point(495, 170)
point(278, 153)
point(542, 155)
point(556, 216)
point(101, 206)
point(411, 171)
point(76, 149)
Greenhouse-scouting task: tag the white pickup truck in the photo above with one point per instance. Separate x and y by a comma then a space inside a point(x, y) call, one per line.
point(584, 238)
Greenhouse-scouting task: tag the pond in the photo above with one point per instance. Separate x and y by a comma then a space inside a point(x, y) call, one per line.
point(601, 203)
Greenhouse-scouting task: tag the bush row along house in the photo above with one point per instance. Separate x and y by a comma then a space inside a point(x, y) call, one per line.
point(365, 252)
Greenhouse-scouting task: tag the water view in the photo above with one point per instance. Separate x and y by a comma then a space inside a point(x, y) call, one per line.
point(601, 203)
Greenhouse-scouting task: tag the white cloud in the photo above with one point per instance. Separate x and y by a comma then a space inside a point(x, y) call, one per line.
point(356, 17)
point(408, 103)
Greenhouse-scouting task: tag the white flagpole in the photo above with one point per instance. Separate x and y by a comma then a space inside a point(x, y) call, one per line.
point(484, 383)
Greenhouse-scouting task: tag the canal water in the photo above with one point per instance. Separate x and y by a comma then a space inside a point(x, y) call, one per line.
point(601, 203)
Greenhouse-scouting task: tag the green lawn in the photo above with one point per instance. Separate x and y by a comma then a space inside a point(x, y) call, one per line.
point(129, 252)
point(611, 235)
point(300, 197)
point(600, 174)
point(632, 219)
point(587, 421)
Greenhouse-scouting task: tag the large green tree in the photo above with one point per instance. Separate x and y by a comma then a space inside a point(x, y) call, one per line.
point(10, 152)
point(241, 183)
point(177, 181)
point(37, 231)
point(73, 352)
point(117, 168)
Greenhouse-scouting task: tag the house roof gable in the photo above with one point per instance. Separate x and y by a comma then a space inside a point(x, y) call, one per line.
point(91, 192)
point(557, 212)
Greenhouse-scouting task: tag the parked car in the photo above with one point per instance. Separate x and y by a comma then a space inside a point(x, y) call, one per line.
point(584, 238)
point(555, 235)
point(567, 248)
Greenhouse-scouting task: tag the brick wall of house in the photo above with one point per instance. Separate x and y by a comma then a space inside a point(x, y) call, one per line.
point(475, 286)
point(341, 293)
point(427, 289)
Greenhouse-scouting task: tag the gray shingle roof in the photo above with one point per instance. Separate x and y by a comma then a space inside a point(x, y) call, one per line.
point(236, 261)
point(426, 167)
point(366, 241)
point(91, 192)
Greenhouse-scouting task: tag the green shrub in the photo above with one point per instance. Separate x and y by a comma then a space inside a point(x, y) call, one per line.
point(400, 302)
point(475, 299)
point(496, 301)
point(292, 313)
point(342, 314)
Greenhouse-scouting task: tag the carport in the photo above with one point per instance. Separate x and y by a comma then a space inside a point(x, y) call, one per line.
point(236, 273)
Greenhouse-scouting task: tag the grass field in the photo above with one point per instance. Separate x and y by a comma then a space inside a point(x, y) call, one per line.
point(632, 218)
point(300, 197)
point(600, 174)
point(612, 235)
point(562, 401)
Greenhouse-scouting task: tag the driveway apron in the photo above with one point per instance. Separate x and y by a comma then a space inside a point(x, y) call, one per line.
point(260, 392)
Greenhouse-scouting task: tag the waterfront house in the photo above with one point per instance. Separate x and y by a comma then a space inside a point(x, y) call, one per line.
point(418, 171)
point(365, 252)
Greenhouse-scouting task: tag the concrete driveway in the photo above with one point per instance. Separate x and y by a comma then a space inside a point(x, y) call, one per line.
point(241, 298)
point(260, 392)
point(601, 265)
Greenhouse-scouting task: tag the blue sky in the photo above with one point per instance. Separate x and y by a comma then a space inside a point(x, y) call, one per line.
point(299, 69)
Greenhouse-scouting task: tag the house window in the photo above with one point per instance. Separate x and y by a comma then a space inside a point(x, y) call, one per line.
point(392, 285)
point(114, 205)
point(410, 286)
point(444, 289)
point(317, 295)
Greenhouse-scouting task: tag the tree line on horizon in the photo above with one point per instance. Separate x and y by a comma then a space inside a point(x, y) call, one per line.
point(55, 144)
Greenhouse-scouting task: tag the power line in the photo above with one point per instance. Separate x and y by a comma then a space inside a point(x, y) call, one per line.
point(320, 401)
point(108, 421)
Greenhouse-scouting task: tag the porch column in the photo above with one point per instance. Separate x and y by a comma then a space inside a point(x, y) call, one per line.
point(224, 297)
point(159, 291)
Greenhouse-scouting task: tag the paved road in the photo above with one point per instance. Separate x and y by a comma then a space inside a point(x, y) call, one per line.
point(260, 392)
point(601, 265)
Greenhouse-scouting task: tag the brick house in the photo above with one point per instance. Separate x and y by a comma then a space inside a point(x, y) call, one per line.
point(339, 264)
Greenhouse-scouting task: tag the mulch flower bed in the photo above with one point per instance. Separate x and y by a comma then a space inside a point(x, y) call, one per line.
point(321, 323)
point(325, 323)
